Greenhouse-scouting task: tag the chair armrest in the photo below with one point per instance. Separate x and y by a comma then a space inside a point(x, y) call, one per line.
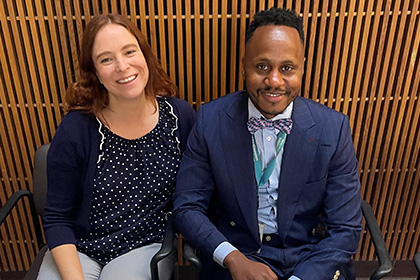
point(165, 250)
point(381, 251)
point(11, 203)
point(417, 263)
point(190, 256)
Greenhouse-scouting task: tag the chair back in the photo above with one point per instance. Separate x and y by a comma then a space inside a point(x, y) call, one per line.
point(40, 178)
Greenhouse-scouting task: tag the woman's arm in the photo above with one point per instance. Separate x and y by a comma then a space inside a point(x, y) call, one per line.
point(67, 261)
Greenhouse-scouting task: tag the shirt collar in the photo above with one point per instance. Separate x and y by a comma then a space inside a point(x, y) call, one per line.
point(253, 112)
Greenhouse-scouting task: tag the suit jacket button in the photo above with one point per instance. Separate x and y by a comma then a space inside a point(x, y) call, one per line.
point(337, 274)
point(268, 238)
point(232, 223)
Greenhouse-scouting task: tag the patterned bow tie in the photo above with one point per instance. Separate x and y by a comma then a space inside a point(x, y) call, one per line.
point(284, 125)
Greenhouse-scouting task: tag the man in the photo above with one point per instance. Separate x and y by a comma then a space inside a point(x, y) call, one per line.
point(270, 201)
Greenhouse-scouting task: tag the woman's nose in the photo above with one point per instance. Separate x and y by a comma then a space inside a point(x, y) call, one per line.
point(122, 65)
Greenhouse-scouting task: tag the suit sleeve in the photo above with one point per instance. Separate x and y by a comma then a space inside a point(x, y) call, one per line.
point(342, 210)
point(193, 193)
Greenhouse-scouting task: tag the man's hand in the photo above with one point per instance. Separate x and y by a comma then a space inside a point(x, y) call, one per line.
point(242, 268)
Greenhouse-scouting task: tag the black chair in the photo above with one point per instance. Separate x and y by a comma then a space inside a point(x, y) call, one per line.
point(37, 202)
point(417, 264)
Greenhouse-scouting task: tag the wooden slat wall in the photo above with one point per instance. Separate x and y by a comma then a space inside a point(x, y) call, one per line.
point(361, 59)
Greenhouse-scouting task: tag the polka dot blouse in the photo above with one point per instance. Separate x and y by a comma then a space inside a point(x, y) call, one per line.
point(132, 188)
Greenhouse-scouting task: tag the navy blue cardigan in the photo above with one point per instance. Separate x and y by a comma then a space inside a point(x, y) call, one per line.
point(71, 164)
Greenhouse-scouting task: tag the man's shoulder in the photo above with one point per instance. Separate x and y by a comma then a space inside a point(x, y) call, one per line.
point(316, 108)
point(226, 100)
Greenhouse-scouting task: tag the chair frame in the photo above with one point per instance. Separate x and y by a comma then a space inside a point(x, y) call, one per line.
point(381, 251)
point(416, 261)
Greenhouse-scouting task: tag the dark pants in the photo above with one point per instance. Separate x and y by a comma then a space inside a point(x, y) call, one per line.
point(272, 255)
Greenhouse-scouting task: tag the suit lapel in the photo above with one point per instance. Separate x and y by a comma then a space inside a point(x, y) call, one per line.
point(237, 148)
point(298, 157)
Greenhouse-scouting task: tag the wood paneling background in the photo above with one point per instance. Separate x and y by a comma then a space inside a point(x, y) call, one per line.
point(361, 59)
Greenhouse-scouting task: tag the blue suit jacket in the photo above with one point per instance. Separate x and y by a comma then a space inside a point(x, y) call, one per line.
point(216, 194)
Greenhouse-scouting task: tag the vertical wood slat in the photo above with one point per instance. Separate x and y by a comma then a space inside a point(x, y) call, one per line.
point(197, 53)
point(364, 150)
point(215, 47)
point(12, 244)
point(188, 48)
point(206, 50)
point(408, 226)
point(353, 64)
point(375, 178)
point(171, 41)
point(233, 47)
point(152, 27)
point(180, 48)
point(410, 248)
point(223, 48)
point(55, 54)
point(328, 53)
point(343, 66)
point(320, 51)
point(242, 35)
point(382, 218)
point(162, 36)
point(358, 123)
point(359, 90)
point(47, 84)
point(398, 103)
point(337, 46)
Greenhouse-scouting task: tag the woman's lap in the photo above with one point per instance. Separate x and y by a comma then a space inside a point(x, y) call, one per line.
point(132, 265)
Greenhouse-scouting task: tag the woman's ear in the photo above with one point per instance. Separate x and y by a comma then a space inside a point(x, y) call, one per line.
point(99, 78)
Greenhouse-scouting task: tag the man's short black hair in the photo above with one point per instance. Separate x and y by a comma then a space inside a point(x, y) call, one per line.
point(276, 16)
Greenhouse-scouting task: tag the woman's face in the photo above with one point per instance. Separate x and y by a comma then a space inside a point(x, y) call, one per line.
point(119, 62)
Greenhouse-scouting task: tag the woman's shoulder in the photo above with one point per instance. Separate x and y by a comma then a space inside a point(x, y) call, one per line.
point(77, 121)
point(176, 101)
point(181, 107)
point(77, 117)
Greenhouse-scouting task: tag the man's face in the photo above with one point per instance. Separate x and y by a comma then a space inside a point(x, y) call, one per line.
point(273, 68)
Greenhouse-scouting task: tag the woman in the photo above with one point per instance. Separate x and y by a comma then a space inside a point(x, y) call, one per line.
point(113, 160)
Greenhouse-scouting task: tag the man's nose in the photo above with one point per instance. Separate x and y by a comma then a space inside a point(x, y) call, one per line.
point(274, 79)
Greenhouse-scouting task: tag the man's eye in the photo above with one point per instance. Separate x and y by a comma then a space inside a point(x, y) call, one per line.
point(287, 68)
point(262, 67)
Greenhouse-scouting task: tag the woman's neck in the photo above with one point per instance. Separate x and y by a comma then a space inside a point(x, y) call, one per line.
point(132, 119)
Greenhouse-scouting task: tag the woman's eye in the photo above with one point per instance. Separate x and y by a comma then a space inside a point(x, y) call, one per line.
point(130, 52)
point(106, 60)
